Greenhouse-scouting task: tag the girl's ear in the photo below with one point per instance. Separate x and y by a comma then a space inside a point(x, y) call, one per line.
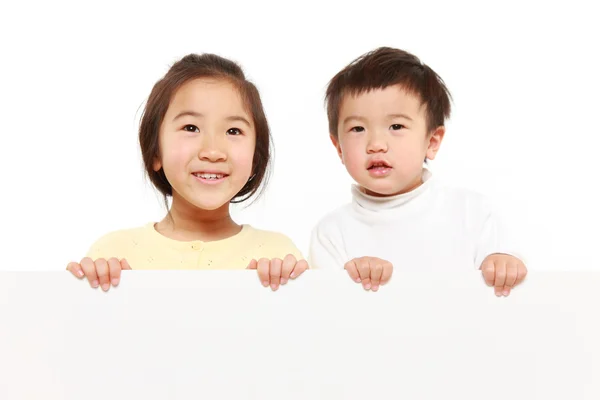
point(434, 142)
point(156, 165)
point(336, 143)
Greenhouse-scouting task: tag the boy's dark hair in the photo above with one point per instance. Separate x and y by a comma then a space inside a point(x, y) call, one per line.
point(194, 66)
point(385, 67)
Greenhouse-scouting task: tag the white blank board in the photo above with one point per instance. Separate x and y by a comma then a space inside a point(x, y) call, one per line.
point(221, 335)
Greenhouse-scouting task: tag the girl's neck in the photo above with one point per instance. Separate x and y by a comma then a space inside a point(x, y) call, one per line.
point(187, 223)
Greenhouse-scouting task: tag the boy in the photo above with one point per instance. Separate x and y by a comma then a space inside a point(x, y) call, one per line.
point(386, 114)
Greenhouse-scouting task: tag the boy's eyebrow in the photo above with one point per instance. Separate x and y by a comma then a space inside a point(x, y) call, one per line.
point(351, 117)
point(400, 116)
point(362, 119)
point(232, 118)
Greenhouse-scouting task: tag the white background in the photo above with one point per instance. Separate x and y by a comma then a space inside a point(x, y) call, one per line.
point(74, 78)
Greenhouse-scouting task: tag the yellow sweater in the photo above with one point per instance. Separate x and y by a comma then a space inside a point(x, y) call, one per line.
point(146, 249)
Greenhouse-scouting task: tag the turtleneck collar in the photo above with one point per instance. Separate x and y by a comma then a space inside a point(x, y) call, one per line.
point(379, 203)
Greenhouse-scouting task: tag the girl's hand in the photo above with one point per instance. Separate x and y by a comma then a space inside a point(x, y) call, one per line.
point(277, 272)
point(100, 272)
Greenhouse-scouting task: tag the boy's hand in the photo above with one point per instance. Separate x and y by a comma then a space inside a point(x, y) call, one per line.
point(100, 272)
point(503, 272)
point(277, 272)
point(371, 271)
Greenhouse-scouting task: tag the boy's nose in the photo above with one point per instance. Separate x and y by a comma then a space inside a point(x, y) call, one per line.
point(376, 144)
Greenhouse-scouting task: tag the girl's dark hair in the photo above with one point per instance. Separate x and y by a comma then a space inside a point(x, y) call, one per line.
point(194, 66)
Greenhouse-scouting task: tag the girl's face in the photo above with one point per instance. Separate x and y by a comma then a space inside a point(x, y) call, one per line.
point(207, 142)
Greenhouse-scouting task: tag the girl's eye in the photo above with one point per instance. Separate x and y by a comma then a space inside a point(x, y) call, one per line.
point(397, 127)
point(234, 131)
point(191, 128)
point(358, 129)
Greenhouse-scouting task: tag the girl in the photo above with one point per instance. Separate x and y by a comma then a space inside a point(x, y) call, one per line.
point(205, 142)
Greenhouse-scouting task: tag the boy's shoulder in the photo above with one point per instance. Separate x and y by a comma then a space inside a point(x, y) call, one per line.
point(464, 197)
point(334, 219)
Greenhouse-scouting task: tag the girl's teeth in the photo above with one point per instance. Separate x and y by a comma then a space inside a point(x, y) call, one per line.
point(210, 176)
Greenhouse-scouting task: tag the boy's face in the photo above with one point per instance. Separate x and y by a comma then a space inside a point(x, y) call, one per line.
point(383, 140)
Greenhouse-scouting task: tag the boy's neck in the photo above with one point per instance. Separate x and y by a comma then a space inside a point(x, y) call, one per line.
point(416, 183)
point(187, 223)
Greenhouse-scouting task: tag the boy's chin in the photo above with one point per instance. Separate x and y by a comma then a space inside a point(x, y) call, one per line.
point(383, 190)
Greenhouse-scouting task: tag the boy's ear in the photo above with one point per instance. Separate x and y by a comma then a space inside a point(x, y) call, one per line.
point(434, 142)
point(336, 143)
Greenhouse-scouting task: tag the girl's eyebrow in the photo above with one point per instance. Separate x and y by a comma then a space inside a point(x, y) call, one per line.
point(188, 113)
point(232, 118)
point(238, 118)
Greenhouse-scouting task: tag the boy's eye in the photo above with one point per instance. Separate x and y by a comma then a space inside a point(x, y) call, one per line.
point(234, 131)
point(397, 127)
point(357, 129)
point(191, 128)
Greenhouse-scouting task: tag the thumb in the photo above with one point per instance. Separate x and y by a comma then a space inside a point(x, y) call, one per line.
point(489, 272)
point(125, 265)
point(253, 264)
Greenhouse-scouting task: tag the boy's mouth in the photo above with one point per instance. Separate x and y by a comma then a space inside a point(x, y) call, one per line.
point(379, 165)
point(379, 168)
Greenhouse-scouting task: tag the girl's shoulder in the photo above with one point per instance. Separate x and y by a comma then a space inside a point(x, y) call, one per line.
point(271, 242)
point(119, 241)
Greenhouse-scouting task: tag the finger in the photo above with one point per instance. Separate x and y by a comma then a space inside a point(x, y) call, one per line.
point(89, 269)
point(489, 272)
point(376, 273)
point(103, 273)
point(287, 267)
point(299, 268)
point(125, 265)
point(364, 270)
point(500, 268)
point(75, 269)
point(387, 273)
point(114, 271)
point(521, 273)
point(511, 277)
point(263, 271)
point(275, 273)
point(253, 264)
point(352, 270)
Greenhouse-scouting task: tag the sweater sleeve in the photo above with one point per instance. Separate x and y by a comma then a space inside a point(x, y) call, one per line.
point(326, 249)
point(496, 238)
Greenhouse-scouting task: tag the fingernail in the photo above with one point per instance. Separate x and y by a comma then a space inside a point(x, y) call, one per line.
point(265, 283)
point(505, 293)
point(283, 281)
point(95, 284)
point(115, 281)
point(357, 280)
point(80, 273)
point(368, 286)
point(375, 288)
point(105, 287)
point(273, 286)
point(293, 275)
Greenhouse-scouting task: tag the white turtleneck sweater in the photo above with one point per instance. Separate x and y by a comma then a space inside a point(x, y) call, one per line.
point(431, 227)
